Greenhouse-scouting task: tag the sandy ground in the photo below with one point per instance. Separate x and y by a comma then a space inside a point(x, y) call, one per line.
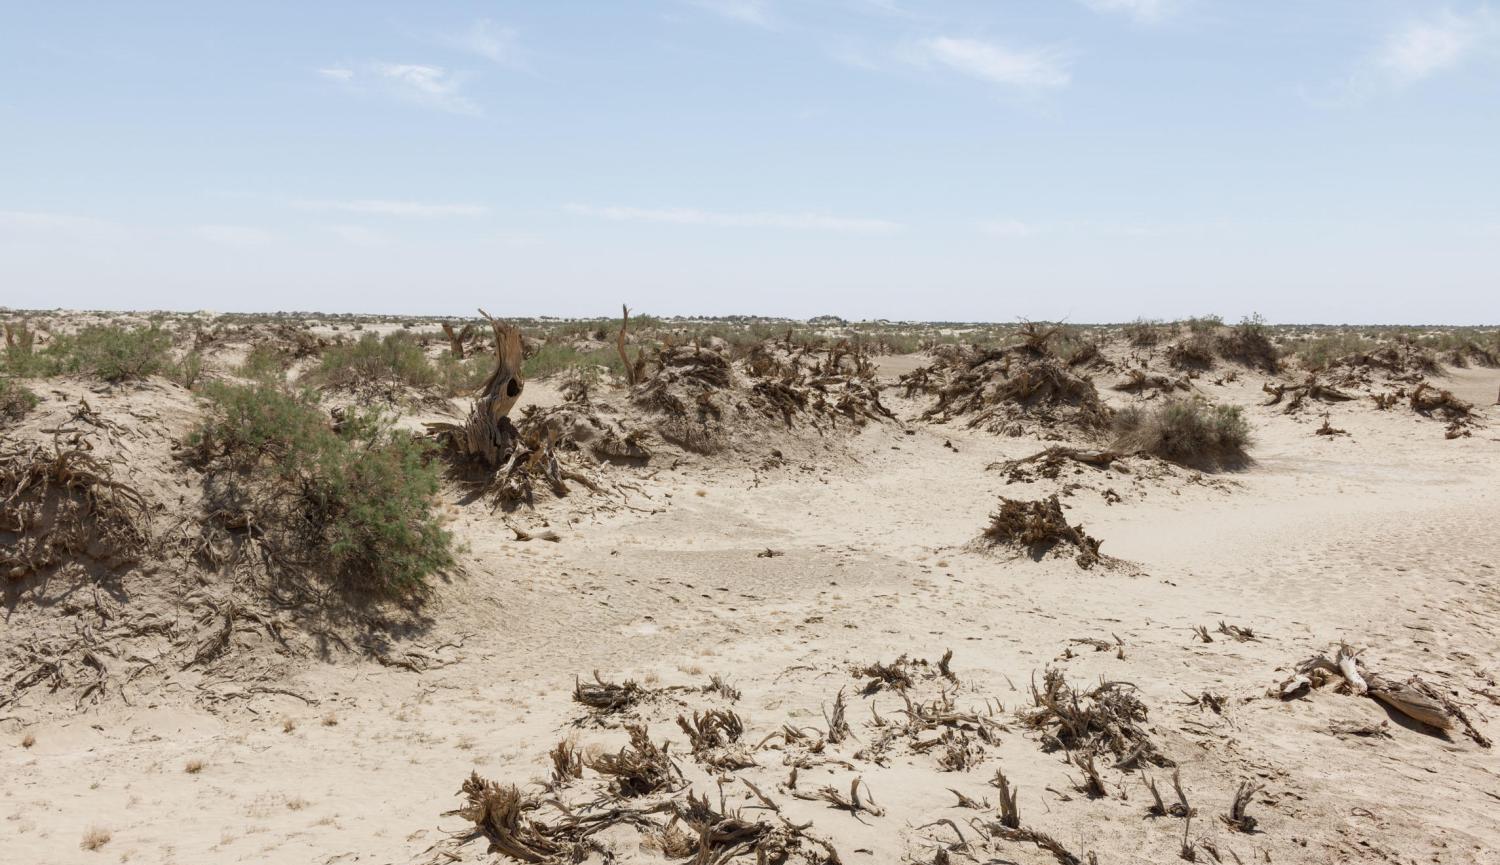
point(1385, 538)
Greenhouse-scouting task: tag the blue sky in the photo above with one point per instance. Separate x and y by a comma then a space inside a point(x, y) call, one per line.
point(1088, 160)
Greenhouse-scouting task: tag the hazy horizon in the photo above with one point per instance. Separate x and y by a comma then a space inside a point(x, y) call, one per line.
point(954, 161)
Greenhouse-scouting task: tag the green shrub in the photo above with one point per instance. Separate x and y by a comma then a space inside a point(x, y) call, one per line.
point(265, 362)
point(554, 357)
point(462, 377)
point(373, 500)
point(16, 400)
point(187, 371)
point(248, 425)
point(21, 358)
point(372, 363)
point(1192, 432)
point(356, 500)
point(113, 353)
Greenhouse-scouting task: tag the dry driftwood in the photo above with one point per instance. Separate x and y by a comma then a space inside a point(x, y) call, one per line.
point(1414, 698)
point(1239, 817)
point(1426, 399)
point(1310, 388)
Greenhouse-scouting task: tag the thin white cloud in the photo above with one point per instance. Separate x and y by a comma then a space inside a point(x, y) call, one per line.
point(32, 220)
point(1006, 228)
point(356, 235)
point(693, 216)
point(1413, 52)
point(1034, 69)
point(494, 42)
point(1145, 11)
point(238, 236)
point(1421, 49)
point(853, 54)
point(387, 207)
point(432, 86)
point(756, 12)
point(414, 83)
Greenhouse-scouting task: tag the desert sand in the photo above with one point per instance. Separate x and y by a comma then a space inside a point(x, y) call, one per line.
point(785, 580)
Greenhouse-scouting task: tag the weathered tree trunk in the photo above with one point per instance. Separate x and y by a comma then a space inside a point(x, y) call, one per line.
point(455, 342)
point(490, 433)
point(631, 378)
point(488, 436)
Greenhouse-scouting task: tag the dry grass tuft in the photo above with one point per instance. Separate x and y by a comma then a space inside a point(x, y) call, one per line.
point(95, 837)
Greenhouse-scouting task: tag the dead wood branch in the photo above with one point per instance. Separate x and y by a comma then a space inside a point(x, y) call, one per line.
point(1239, 817)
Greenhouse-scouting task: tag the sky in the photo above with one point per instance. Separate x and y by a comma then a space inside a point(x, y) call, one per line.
point(980, 160)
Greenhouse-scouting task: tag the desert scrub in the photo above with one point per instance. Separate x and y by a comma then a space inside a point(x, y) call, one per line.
point(1075, 346)
point(1143, 333)
point(352, 500)
point(1203, 324)
point(1193, 351)
point(21, 358)
point(187, 370)
point(112, 353)
point(462, 377)
point(1249, 343)
point(551, 358)
point(386, 366)
point(1192, 432)
point(16, 400)
point(265, 362)
point(1319, 352)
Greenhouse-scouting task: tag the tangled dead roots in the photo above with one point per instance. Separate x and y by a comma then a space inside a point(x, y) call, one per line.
point(1001, 389)
point(61, 504)
point(1040, 528)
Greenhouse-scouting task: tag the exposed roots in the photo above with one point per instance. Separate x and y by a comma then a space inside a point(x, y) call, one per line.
point(1051, 462)
point(1039, 527)
point(1107, 717)
point(61, 504)
point(1002, 389)
point(640, 768)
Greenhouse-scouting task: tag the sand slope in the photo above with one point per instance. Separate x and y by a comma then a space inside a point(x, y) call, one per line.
point(1385, 538)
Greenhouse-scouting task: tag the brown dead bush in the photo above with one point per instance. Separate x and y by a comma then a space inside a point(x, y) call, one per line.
point(1039, 527)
